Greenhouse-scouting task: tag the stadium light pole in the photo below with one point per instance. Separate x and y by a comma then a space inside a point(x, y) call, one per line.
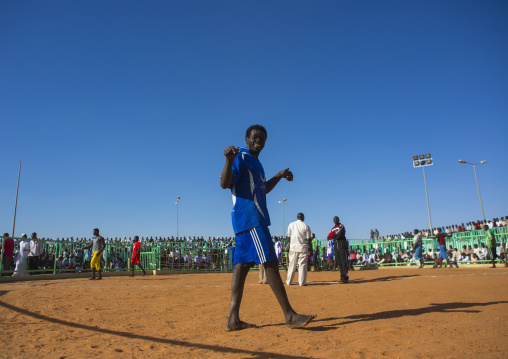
point(477, 186)
point(282, 202)
point(422, 161)
point(16, 205)
point(177, 232)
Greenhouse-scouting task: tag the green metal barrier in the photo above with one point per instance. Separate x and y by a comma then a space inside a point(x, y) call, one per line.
point(205, 256)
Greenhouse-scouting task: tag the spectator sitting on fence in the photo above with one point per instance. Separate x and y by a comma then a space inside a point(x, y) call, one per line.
point(188, 260)
point(387, 258)
point(372, 256)
point(117, 262)
point(484, 253)
point(352, 258)
point(464, 257)
point(499, 249)
point(59, 262)
point(66, 261)
point(404, 256)
point(455, 257)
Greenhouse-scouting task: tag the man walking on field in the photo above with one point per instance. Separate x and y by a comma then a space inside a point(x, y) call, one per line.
point(491, 242)
point(136, 256)
point(300, 236)
point(98, 245)
point(245, 176)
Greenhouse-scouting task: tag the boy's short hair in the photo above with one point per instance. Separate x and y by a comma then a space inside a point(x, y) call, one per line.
point(256, 127)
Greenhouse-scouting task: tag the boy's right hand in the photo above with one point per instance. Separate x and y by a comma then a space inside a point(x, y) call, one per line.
point(231, 152)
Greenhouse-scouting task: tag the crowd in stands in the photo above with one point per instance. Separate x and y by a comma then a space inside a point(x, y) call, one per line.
point(67, 254)
point(466, 255)
point(455, 228)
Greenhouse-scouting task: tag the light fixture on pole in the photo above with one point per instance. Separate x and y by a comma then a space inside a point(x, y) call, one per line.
point(477, 186)
point(177, 232)
point(422, 161)
point(283, 228)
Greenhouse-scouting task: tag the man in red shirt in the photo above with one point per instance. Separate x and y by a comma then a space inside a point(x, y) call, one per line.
point(7, 252)
point(136, 256)
point(441, 240)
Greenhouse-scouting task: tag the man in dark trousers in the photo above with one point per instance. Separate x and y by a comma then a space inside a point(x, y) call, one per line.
point(340, 244)
point(245, 176)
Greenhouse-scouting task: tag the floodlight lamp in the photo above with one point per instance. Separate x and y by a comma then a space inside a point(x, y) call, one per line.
point(427, 155)
point(484, 161)
point(415, 158)
point(423, 162)
point(429, 162)
point(421, 157)
point(178, 198)
point(416, 163)
point(462, 161)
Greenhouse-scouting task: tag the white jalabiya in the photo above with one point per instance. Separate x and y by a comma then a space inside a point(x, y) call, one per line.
point(21, 257)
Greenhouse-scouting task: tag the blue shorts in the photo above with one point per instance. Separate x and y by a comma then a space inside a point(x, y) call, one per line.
point(418, 252)
point(442, 252)
point(254, 246)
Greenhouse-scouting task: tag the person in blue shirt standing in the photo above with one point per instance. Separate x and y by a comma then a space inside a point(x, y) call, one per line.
point(245, 176)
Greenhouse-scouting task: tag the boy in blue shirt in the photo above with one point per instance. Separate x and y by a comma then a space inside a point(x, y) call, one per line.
point(245, 176)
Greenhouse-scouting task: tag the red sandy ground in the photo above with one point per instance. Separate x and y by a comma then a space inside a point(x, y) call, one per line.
point(394, 313)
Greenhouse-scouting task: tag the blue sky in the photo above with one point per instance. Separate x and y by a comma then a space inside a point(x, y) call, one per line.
point(118, 107)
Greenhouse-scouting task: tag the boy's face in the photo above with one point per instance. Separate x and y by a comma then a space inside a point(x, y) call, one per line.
point(256, 141)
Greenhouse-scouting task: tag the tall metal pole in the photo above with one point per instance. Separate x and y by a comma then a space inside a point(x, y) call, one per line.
point(283, 226)
point(428, 206)
point(177, 229)
point(16, 205)
point(479, 195)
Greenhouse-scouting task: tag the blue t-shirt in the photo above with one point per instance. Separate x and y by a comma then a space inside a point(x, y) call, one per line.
point(249, 193)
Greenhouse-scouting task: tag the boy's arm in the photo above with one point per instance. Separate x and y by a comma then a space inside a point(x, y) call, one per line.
point(226, 177)
point(287, 174)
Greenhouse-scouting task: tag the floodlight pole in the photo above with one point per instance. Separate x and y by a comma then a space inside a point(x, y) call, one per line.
point(476, 178)
point(428, 206)
point(177, 229)
point(479, 195)
point(16, 205)
point(283, 227)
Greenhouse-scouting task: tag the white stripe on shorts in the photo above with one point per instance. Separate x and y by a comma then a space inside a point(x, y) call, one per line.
point(257, 244)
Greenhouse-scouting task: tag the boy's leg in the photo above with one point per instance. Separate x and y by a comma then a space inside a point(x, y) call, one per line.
point(293, 319)
point(237, 284)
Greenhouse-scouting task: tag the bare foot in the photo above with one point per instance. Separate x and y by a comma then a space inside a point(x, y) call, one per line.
point(299, 320)
point(230, 327)
point(93, 278)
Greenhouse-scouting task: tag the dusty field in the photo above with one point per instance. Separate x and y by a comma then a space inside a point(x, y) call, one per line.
point(395, 313)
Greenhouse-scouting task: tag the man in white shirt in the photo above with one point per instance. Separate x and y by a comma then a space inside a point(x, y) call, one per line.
point(299, 235)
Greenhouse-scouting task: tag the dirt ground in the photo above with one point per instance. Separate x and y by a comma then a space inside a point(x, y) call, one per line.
point(394, 313)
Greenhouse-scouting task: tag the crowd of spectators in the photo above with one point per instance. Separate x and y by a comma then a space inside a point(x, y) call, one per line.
point(215, 252)
point(455, 228)
point(466, 255)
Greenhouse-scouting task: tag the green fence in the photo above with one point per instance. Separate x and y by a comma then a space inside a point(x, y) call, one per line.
point(64, 257)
